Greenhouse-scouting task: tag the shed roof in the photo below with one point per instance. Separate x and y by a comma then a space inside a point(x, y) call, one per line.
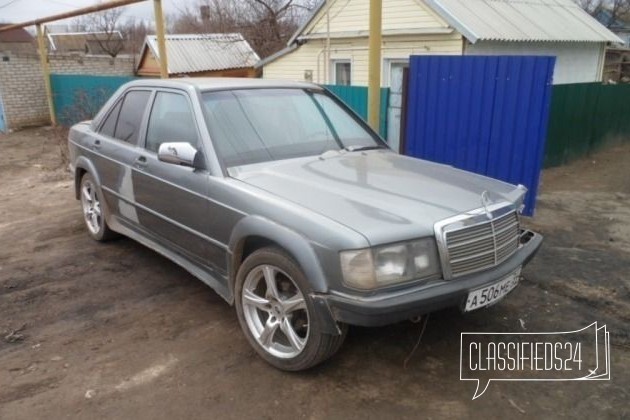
point(77, 41)
point(15, 35)
point(522, 20)
point(204, 52)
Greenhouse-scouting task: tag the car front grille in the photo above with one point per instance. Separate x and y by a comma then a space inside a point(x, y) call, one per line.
point(483, 245)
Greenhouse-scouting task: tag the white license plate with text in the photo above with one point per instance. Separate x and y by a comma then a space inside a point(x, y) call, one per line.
point(493, 293)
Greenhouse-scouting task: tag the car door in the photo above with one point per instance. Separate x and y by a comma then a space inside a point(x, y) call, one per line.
point(171, 199)
point(114, 147)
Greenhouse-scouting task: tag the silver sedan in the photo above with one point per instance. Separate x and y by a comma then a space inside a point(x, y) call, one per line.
point(283, 201)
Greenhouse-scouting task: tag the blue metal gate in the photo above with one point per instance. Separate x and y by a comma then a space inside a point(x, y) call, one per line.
point(484, 114)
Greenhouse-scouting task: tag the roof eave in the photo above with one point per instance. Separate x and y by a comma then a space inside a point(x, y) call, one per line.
point(275, 56)
point(307, 22)
point(473, 37)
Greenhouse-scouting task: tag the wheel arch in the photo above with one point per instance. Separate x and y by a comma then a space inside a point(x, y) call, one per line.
point(255, 232)
point(83, 166)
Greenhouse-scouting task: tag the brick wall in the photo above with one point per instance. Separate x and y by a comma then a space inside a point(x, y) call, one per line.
point(92, 65)
point(22, 91)
point(22, 85)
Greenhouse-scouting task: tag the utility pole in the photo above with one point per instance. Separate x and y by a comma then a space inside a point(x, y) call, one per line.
point(374, 64)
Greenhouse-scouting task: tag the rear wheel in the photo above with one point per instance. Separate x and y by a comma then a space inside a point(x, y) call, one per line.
point(93, 211)
point(277, 314)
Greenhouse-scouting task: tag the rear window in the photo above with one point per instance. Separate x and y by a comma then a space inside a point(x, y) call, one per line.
point(109, 126)
point(131, 113)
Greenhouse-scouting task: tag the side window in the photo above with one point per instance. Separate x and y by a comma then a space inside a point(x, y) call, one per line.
point(131, 112)
point(109, 126)
point(171, 120)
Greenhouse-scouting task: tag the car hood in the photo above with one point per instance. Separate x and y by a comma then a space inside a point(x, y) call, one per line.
point(380, 194)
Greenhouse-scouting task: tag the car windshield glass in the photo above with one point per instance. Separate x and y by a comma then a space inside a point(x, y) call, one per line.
point(259, 125)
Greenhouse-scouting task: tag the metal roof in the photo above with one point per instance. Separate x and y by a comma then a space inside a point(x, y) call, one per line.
point(76, 41)
point(204, 52)
point(522, 20)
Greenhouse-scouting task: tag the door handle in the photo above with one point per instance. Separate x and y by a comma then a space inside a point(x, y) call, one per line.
point(141, 162)
point(97, 144)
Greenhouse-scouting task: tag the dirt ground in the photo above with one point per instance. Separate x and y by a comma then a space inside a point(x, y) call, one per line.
point(91, 330)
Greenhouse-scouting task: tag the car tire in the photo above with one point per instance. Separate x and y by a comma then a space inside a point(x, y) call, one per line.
point(94, 213)
point(281, 324)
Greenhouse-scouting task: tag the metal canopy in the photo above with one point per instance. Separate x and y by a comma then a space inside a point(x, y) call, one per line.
point(43, 53)
point(78, 12)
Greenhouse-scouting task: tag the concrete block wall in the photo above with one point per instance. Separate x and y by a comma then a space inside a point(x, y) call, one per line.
point(22, 91)
point(22, 85)
point(95, 65)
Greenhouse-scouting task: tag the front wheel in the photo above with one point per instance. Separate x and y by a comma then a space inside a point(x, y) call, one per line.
point(277, 314)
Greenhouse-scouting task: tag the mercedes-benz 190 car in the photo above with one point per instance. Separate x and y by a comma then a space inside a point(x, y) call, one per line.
point(291, 208)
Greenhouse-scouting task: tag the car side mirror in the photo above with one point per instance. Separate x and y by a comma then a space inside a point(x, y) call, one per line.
point(178, 153)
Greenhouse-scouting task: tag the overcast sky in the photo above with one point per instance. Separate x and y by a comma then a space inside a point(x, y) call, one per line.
point(22, 10)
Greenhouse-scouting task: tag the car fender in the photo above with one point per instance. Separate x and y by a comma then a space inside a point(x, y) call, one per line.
point(298, 247)
point(84, 163)
point(292, 242)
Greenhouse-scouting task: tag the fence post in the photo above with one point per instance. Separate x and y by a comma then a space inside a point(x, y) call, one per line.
point(159, 27)
point(374, 64)
point(43, 58)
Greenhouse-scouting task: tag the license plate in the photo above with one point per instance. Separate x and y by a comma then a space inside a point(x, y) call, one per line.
point(493, 293)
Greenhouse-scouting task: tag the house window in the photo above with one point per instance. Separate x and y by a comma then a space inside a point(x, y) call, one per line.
point(342, 72)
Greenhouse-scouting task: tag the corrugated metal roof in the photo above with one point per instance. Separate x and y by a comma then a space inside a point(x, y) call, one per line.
point(205, 52)
point(522, 20)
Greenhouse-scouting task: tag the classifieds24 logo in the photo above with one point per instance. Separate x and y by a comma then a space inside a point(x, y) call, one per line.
point(581, 355)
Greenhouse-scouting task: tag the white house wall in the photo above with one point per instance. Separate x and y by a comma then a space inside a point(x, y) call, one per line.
point(353, 15)
point(575, 62)
point(311, 57)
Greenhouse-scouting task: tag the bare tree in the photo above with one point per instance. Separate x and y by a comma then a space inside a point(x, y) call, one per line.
point(274, 22)
point(615, 9)
point(104, 28)
point(134, 32)
point(592, 7)
point(265, 24)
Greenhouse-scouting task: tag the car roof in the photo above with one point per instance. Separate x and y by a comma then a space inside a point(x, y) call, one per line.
point(220, 83)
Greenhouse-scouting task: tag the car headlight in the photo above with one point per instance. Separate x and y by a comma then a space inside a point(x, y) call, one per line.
point(371, 268)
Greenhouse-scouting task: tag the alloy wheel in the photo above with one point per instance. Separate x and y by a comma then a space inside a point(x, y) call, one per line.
point(275, 311)
point(91, 207)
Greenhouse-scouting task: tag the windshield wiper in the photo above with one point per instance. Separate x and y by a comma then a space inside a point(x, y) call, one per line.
point(361, 148)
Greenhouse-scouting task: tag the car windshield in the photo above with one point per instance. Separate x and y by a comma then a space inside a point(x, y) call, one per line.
point(259, 125)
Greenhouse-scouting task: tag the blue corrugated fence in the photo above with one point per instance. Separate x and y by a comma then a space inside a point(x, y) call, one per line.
point(484, 114)
point(356, 97)
point(79, 97)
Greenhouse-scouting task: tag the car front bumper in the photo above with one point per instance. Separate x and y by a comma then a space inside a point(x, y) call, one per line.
point(388, 308)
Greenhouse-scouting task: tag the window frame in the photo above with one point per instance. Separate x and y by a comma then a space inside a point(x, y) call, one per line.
point(143, 121)
point(388, 63)
point(333, 68)
point(152, 101)
point(101, 124)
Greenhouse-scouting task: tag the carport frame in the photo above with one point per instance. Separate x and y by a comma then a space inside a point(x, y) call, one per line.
point(43, 53)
